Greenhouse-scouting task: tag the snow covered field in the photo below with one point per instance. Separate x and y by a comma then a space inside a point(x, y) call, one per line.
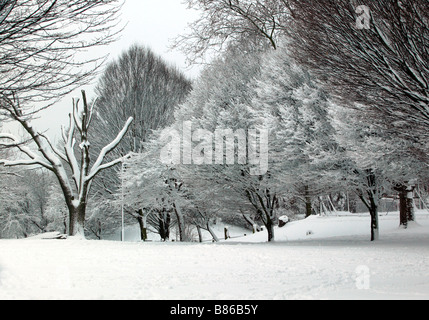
point(324, 258)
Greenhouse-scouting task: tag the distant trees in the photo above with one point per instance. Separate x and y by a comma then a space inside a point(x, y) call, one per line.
point(57, 211)
point(23, 202)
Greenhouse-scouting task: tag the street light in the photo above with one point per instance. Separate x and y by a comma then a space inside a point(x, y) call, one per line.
point(128, 156)
point(122, 202)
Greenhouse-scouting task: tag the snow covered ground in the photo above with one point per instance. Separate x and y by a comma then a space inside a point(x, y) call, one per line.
point(324, 258)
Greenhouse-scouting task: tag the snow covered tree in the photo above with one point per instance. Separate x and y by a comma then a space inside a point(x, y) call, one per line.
point(23, 201)
point(364, 159)
point(394, 158)
point(75, 188)
point(160, 221)
point(139, 84)
point(295, 108)
point(218, 111)
point(383, 66)
point(154, 190)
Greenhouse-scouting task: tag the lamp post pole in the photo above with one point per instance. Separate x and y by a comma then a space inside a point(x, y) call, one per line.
point(128, 156)
point(122, 203)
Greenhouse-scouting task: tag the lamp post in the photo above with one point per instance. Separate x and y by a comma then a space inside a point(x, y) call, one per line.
point(128, 156)
point(122, 202)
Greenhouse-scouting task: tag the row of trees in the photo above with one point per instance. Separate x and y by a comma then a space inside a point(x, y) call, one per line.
point(346, 109)
point(356, 121)
point(316, 147)
point(381, 72)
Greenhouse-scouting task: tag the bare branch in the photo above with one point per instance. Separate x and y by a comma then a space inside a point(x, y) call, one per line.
point(42, 46)
point(106, 150)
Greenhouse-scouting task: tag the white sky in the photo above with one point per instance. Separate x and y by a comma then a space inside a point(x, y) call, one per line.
point(154, 23)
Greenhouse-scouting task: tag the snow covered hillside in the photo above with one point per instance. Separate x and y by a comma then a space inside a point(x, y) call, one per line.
point(340, 225)
point(335, 260)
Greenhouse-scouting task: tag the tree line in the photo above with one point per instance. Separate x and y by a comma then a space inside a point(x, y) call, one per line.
point(346, 109)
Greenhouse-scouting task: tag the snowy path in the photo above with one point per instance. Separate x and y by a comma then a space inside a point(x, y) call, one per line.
point(36, 269)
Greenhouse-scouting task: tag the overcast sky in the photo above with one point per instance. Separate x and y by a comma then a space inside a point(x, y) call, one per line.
point(149, 22)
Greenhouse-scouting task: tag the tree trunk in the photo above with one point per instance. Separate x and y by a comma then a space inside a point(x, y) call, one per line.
point(164, 220)
point(143, 225)
point(180, 222)
point(406, 204)
point(200, 235)
point(65, 224)
point(372, 206)
point(227, 236)
point(77, 220)
point(403, 219)
point(143, 230)
point(269, 224)
point(308, 204)
point(411, 213)
point(270, 228)
point(99, 231)
point(375, 230)
point(213, 234)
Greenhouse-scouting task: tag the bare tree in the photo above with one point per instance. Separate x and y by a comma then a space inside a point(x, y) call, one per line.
point(75, 188)
point(223, 22)
point(139, 84)
point(23, 201)
point(42, 43)
point(202, 221)
point(160, 221)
